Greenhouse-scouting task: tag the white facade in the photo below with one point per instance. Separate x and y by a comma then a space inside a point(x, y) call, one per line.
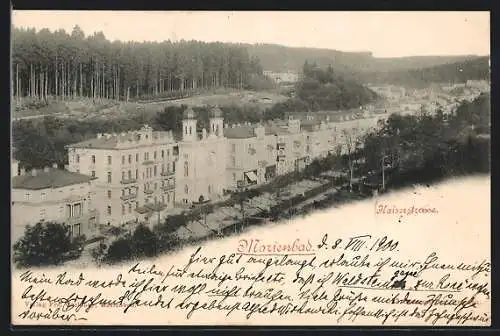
point(202, 160)
point(135, 174)
point(37, 196)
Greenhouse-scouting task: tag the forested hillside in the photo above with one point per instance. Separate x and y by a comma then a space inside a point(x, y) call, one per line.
point(324, 89)
point(280, 58)
point(458, 72)
point(60, 64)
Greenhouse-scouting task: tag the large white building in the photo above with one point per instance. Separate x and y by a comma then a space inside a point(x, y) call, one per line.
point(56, 195)
point(135, 173)
point(202, 159)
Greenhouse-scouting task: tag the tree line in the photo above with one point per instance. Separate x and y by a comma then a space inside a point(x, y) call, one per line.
point(68, 65)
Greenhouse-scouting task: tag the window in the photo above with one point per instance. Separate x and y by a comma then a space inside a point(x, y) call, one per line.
point(123, 176)
point(77, 210)
point(42, 196)
point(162, 168)
point(129, 174)
point(234, 176)
point(168, 198)
point(123, 209)
point(137, 157)
point(186, 189)
point(154, 155)
point(93, 158)
point(109, 177)
point(186, 169)
point(129, 208)
point(77, 158)
point(27, 197)
point(209, 189)
point(168, 152)
point(233, 161)
point(156, 186)
point(154, 170)
point(123, 159)
point(233, 148)
point(162, 153)
point(109, 193)
point(76, 230)
point(92, 222)
point(162, 199)
point(137, 174)
point(130, 159)
point(190, 129)
point(109, 159)
point(92, 173)
point(42, 213)
point(68, 211)
point(146, 156)
point(123, 192)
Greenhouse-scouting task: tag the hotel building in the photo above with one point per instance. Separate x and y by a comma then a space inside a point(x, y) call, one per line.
point(57, 195)
point(134, 171)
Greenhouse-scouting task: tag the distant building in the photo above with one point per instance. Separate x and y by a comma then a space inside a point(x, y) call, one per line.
point(481, 85)
point(283, 77)
point(57, 195)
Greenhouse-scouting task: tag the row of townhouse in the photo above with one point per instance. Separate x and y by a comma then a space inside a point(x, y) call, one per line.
point(142, 175)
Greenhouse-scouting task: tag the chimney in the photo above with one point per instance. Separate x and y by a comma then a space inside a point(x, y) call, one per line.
point(33, 172)
point(54, 165)
point(46, 169)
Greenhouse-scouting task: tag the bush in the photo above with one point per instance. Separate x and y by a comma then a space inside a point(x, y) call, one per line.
point(144, 242)
point(119, 250)
point(45, 244)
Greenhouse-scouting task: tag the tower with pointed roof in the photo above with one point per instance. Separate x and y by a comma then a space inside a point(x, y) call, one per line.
point(216, 121)
point(189, 125)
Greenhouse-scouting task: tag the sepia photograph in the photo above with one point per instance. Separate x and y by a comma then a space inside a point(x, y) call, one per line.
point(250, 168)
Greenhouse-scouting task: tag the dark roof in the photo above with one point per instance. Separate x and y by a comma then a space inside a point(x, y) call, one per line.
point(239, 132)
point(215, 112)
point(189, 113)
point(54, 178)
point(112, 142)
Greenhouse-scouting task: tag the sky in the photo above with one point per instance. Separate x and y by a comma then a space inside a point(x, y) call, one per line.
point(385, 34)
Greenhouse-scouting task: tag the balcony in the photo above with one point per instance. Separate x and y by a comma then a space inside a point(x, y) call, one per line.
point(128, 181)
point(149, 191)
point(169, 186)
point(80, 219)
point(128, 197)
point(151, 207)
point(167, 173)
point(148, 162)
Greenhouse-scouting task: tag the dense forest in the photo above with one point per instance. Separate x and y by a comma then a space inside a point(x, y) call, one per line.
point(58, 64)
point(324, 89)
point(458, 72)
point(280, 58)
